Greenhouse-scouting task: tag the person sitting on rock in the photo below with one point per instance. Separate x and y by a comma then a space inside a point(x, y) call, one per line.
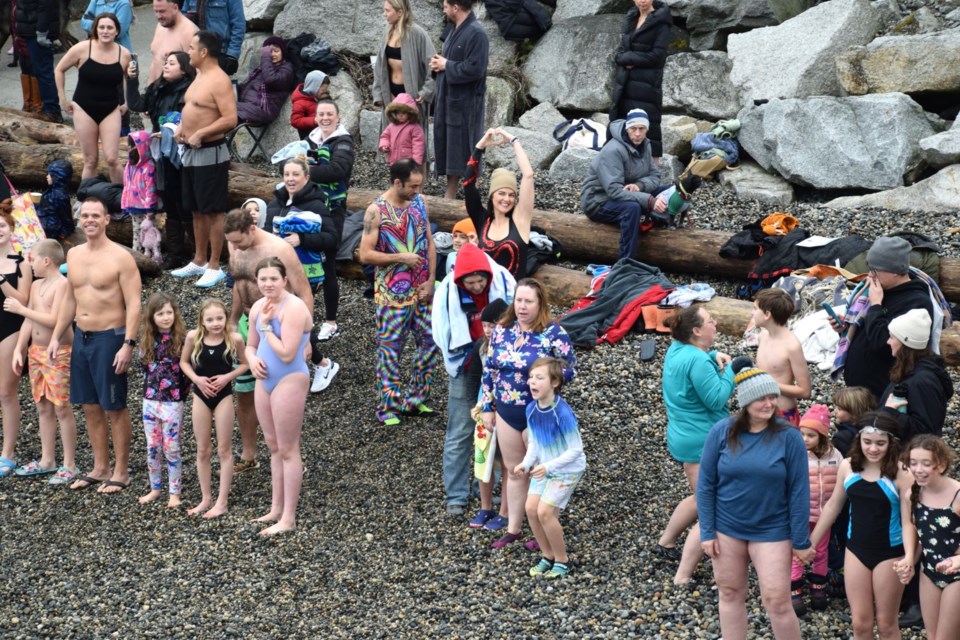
point(623, 184)
point(262, 96)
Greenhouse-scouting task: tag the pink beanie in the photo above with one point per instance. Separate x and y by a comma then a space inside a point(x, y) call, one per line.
point(817, 418)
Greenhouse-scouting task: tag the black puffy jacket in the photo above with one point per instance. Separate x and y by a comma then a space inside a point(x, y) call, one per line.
point(310, 198)
point(160, 98)
point(644, 50)
point(520, 19)
point(38, 15)
point(928, 389)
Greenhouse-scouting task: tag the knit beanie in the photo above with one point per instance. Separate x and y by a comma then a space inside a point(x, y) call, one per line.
point(502, 179)
point(890, 254)
point(276, 41)
point(817, 418)
point(493, 311)
point(912, 328)
point(637, 118)
point(753, 384)
point(465, 227)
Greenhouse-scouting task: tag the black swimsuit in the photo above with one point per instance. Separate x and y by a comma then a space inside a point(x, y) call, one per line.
point(99, 86)
point(393, 53)
point(10, 323)
point(939, 531)
point(211, 362)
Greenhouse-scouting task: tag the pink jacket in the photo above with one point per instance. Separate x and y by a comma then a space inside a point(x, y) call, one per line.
point(403, 140)
point(139, 179)
point(823, 480)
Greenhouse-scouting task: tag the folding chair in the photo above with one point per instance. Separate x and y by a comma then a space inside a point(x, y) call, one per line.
point(256, 132)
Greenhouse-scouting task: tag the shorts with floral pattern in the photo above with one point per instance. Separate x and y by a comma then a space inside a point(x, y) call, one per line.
point(555, 488)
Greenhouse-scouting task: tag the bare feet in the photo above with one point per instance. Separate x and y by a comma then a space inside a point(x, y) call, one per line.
point(150, 497)
point(270, 517)
point(217, 511)
point(174, 501)
point(200, 508)
point(277, 528)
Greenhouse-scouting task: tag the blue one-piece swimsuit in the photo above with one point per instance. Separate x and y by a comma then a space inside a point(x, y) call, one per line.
point(277, 369)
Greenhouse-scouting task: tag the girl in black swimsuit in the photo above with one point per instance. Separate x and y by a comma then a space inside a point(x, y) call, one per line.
point(102, 65)
point(14, 293)
point(503, 226)
point(213, 357)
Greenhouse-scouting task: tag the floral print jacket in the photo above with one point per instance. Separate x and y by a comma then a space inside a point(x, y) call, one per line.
point(163, 380)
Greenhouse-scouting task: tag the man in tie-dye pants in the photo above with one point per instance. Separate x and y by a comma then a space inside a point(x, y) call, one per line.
point(397, 241)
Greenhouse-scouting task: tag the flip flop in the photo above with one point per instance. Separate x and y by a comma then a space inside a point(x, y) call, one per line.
point(648, 349)
point(88, 482)
point(6, 466)
point(32, 468)
point(112, 483)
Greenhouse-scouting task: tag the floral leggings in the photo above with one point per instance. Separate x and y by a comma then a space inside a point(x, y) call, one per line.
point(161, 424)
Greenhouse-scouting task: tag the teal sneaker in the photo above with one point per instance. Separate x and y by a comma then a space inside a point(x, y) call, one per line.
point(558, 570)
point(541, 567)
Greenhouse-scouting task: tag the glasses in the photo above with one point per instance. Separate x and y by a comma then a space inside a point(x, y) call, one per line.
point(872, 273)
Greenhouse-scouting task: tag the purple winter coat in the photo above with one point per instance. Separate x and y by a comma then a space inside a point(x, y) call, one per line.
point(266, 90)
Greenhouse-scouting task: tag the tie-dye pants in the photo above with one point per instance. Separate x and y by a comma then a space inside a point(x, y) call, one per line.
point(161, 424)
point(393, 326)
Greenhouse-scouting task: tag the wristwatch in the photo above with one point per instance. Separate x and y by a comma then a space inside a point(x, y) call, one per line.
point(3, 278)
point(130, 341)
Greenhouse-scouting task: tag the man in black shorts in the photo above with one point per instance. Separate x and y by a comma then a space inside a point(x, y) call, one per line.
point(103, 296)
point(209, 112)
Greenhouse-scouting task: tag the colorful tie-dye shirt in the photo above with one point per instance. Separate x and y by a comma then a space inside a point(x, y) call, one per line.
point(402, 230)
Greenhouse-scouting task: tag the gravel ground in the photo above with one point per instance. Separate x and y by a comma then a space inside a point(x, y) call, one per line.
point(375, 555)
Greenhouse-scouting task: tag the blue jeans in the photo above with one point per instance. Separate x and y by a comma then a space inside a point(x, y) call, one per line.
point(42, 60)
point(458, 443)
point(628, 214)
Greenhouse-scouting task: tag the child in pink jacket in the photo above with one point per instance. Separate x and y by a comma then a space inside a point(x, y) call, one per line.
point(403, 137)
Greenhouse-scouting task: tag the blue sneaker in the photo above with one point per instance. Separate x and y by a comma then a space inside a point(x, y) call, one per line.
point(496, 523)
point(483, 517)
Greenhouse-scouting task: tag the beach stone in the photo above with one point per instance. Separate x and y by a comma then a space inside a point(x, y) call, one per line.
point(698, 84)
point(501, 99)
point(858, 142)
point(543, 118)
point(370, 130)
point(751, 182)
point(572, 164)
point(250, 54)
point(903, 64)
point(346, 94)
point(940, 193)
point(797, 58)
point(711, 15)
point(569, 9)
point(679, 131)
point(262, 10)
point(942, 149)
point(572, 66)
point(503, 53)
point(540, 147)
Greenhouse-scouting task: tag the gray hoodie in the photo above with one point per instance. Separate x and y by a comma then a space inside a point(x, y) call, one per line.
point(618, 164)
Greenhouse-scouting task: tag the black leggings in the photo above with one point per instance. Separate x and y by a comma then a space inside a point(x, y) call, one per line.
point(331, 287)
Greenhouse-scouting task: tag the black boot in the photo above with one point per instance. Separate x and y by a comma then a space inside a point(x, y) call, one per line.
point(911, 617)
point(818, 592)
point(797, 597)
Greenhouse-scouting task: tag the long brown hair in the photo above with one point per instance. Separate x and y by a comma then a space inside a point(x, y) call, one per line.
point(942, 456)
point(885, 422)
point(150, 332)
point(906, 361)
point(544, 317)
point(741, 425)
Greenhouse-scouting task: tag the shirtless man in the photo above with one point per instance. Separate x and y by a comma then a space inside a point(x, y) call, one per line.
point(779, 352)
point(209, 112)
point(103, 295)
point(173, 33)
point(248, 245)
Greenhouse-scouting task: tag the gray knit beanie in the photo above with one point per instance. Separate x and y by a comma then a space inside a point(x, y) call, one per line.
point(753, 384)
point(889, 254)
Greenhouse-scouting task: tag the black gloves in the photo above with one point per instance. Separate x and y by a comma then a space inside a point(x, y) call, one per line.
point(229, 64)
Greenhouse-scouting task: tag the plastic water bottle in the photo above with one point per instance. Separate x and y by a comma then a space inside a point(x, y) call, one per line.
point(899, 394)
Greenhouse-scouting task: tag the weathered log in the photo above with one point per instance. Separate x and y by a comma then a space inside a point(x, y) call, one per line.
point(26, 165)
point(20, 126)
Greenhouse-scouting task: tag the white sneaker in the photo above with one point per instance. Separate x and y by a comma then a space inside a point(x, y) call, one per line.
point(190, 270)
point(323, 377)
point(328, 331)
point(210, 278)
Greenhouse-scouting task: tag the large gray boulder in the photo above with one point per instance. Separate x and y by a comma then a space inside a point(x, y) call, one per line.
point(712, 15)
point(939, 193)
point(542, 118)
point(357, 28)
point(249, 53)
point(540, 148)
point(503, 53)
point(906, 64)
point(678, 132)
point(501, 100)
point(346, 94)
point(942, 149)
point(750, 182)
point(572, 164)
point(265, 11)
point(858, 142)
point(699, 84)
point(579, 8)
point(369, 130)
point(670, 168)
point(797, 58)
point(572, 65)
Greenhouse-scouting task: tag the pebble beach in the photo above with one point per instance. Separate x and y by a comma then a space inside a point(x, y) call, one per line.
point(374, 554)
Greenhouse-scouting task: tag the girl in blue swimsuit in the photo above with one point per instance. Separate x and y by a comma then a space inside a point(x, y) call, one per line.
point(881, 538)
point(212, 358)
point(276, 355)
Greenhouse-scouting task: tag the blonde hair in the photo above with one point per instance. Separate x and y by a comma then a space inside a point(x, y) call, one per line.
point(151, 333)
point(403, 24)
point(230, 353)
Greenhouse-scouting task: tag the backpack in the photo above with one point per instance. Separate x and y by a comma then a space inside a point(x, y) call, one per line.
point(581, 132)
point(519, 19)
point(545, 249)
point(309, 53)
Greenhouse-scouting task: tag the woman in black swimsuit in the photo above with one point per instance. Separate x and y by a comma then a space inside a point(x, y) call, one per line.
point(15, 284)
point(98, 101)
point(503, 227)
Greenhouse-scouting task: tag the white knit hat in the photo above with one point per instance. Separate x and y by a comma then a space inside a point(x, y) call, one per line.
point(912, 328)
